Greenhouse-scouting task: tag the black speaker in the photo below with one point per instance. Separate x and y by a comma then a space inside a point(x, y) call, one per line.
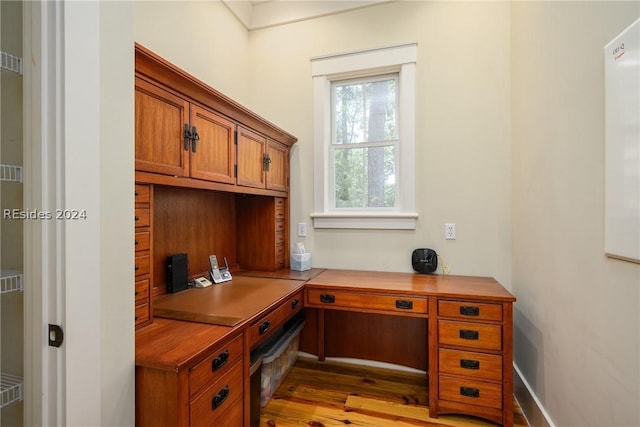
point(424, 260)
point(177, 273)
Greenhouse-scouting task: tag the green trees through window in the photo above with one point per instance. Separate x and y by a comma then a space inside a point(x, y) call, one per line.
point(365, 142)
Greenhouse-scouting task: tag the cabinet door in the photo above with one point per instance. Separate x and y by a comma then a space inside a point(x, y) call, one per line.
point(251, 151)
point(213, 154)
point(277, 176)
point(159, 122)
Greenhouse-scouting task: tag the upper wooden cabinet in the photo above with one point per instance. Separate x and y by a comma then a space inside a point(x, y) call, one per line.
point(252, 149)
point(179, 138)
point(213, 153)
point(189, 135)
point(160, 117)
point(262, 162)
point(277, 177)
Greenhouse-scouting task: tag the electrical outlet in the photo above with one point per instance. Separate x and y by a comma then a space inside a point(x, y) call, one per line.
point(450, 231)
point(302, 229)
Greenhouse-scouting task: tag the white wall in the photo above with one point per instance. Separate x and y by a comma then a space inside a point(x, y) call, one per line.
point(462, 136)
point(96, 253)
point(202, 38)
point(116, 207)
point(577, 321)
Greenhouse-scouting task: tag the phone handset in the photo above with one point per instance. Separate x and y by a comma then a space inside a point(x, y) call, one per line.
point(219, 274)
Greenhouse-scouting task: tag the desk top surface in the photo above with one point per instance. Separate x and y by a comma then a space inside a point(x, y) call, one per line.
point(229, 303)
point(413, 284)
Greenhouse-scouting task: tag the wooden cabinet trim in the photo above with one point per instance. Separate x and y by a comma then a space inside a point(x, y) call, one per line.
point(149, 64)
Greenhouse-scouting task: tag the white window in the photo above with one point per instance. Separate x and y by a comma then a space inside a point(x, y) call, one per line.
point(365, 139)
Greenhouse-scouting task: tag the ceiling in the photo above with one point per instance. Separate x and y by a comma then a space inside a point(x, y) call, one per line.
point(256, 14)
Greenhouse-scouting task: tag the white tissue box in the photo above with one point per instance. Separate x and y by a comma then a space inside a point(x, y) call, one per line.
point(301, 262)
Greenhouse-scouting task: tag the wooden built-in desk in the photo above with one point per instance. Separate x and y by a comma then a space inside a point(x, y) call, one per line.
point(193, 369)
point(458, 329)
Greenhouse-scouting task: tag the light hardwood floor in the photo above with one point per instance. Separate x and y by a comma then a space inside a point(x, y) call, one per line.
point(334, 394)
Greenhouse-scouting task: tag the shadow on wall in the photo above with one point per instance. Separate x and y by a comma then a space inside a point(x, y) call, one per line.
point(527, 345)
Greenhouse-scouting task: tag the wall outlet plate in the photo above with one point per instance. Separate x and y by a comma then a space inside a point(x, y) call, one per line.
point(450, 231)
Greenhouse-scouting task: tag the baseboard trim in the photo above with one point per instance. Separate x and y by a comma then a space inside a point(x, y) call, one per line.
point(531, 406)
point(364, 362)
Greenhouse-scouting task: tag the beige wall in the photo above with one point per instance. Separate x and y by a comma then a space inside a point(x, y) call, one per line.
point(577, 337)
point(203, 38)
point(462, 135)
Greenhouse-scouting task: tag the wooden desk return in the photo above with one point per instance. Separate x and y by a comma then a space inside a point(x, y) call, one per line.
point(469, 339)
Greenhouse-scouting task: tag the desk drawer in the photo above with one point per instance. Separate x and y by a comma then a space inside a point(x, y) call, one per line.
point(142, 290)
point(279, 208)
point(142, 313)
point(401, 304)
point(215, 402)
point(471, 392)
point(467, 334)
point(477, 365)
point(141, 241)
point(470, 310)
point(215, 366)
point(142, 265)
point(261, 329)
point(142, 193)
point(142, 218)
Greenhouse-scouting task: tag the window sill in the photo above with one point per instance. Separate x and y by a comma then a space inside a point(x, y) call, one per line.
point(367, 221)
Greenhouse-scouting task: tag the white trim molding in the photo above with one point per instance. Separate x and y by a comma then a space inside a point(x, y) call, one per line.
point(531, 406)
point(397, 58)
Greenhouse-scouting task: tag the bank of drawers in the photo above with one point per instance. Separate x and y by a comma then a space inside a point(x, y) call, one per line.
point(216, 387)
point(280, 231)
point(142, 262)
point(470, 353)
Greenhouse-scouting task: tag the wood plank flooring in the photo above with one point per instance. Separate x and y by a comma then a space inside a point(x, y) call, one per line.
point(333, 394)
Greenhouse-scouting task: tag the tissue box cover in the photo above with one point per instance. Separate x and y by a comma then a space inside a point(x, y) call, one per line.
point(301, 262)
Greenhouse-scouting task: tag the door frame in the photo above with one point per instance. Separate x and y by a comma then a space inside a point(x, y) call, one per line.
point(78, 154)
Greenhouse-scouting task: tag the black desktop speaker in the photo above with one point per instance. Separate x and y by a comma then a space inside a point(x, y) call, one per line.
point(177, 273)
point(424, 260)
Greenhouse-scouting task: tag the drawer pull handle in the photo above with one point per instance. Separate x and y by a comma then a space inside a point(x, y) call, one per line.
point(220, 361)
point(469, 364)
point(469, 310)
point(469, 392)
point(219, 398)
point(264, 327)
point(137, 268)
point(295, 303)
point(136, 193)
point(467, 334)
point(136, 294)
point(136, 242)
point(327, 298)
point(137, 218)
point(404, 305)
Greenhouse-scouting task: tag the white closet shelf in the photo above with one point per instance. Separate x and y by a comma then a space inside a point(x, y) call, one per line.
point(10, 281)
point(10, 62)
point(11, 173)
point(10, 389)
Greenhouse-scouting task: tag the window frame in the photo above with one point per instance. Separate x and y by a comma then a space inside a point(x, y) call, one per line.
point(397, 59)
